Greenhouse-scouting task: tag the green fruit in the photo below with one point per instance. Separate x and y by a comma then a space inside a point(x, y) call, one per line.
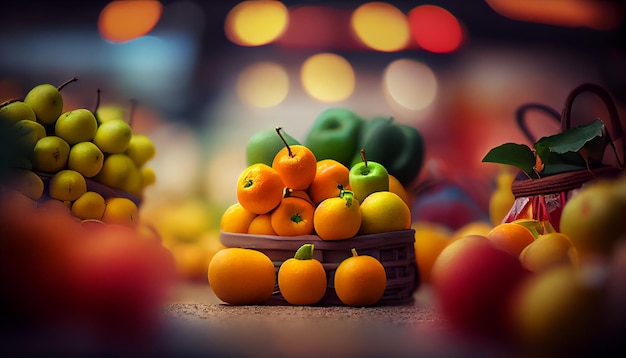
point(113, 136)
point(116, 170)
point(50, 154)
point(594, 218)
point(76, 126)
point(16, 111)
point(86, 158)
point(46, 101)
point(67, 185)
point(263, 146)
point(335, 135)
point(366, 178)
point(399, 147)
point(140, 149)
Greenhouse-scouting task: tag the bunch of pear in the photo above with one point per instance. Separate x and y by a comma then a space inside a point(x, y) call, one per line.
point(73, 156)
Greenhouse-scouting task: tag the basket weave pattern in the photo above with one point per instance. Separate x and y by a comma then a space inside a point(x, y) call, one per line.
point(395, 250)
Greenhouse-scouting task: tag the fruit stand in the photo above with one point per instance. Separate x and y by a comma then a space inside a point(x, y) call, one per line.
point(395, 200)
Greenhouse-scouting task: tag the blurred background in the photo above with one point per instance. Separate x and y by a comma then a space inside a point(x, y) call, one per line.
point(208, 75)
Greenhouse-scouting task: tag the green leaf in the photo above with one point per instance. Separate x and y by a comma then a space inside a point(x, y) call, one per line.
point(518, 155)
point(562, 152)
point(570, 140)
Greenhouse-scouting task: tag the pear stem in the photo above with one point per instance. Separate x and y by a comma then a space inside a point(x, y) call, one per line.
point(133, 106)
point(95, 109)
point(284, 141)
point(363, 157)
point(73, 79)
point(354, 253)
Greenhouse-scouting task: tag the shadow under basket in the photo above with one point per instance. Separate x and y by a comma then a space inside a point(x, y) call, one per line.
point(395, 250)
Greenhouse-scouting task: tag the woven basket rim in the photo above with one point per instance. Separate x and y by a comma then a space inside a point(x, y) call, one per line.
point(294, 242)
point(560, 182)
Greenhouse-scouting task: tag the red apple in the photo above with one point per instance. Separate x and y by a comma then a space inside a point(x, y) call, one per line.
point(472, 282)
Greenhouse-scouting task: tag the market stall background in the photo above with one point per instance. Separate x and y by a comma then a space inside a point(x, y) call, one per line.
point(203, 91)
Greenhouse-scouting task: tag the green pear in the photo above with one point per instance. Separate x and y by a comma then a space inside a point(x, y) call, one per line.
point(263, 146)
point(46, 101)
point(140, 149)
point(16, 111)
point(50, 154)
point(85, 158)
point(67, 185)
point(116, 170)
point(113, 136)
point(76, 126)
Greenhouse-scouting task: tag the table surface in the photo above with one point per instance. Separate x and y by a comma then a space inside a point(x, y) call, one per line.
point(212, 327)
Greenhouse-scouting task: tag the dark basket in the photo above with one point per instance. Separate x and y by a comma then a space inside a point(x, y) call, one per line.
point(395, 250)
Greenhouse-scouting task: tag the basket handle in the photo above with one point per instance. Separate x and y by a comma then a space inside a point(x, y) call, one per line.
point(616, 125)
point(520, 117)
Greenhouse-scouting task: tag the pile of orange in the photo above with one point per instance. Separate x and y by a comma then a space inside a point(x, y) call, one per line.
point(299, 195)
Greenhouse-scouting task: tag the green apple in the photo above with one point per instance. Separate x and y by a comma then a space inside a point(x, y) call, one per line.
point(76, 126)
point(335, 135)
point(399, 147)
point(113, 136)
point(46, 101)
point(367, 177)
point(15, 111)
point(264, 144)
point(50, 154)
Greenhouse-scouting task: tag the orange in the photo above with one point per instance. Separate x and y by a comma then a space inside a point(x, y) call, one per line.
point(302, 279)
point(259, 188)
point(296, 165)
point(511, 237)
point(337, 218)
point(328, 175)
point(384, 211)
point(396, 187)
point(261, 225)
point(236, 219)
point(241, 276)
point(121, 211)
point(360, 280)
point(430, 240)
point(293, 217)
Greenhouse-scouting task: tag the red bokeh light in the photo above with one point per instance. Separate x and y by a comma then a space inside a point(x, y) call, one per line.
point(435, 29)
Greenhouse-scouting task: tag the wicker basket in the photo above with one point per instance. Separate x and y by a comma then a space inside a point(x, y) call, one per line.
point(545, 197)
point(395, 250)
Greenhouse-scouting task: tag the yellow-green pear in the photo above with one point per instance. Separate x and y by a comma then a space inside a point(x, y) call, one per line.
point(16, 111)
point(76, 126)
point(113, 136)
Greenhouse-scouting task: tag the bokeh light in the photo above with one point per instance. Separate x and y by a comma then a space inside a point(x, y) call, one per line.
point(381, 26)
point(256, 23)
point(600, 15)
point(263, 84)
point(435, 29)
point(328, 77)
point(410, 84)
point(122, 21)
